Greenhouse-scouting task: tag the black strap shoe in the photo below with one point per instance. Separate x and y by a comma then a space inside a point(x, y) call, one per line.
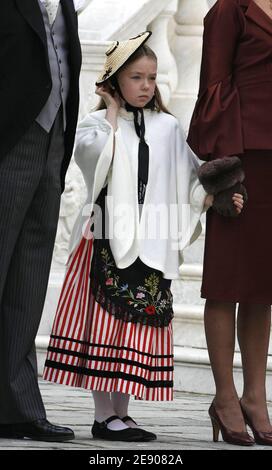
point(39, 430)
point(149, 436)
point(101, 431)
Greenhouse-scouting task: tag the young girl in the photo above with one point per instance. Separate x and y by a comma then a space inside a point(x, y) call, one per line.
point(113, 328)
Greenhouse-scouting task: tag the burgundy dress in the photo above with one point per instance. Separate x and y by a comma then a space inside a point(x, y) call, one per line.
point(232, 116)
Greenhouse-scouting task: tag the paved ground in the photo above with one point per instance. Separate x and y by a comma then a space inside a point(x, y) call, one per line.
point(179, 425)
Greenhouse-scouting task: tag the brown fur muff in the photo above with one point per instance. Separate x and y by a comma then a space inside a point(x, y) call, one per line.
point(223, 177)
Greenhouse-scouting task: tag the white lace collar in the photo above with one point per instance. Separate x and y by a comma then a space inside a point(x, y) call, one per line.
point(129, 114)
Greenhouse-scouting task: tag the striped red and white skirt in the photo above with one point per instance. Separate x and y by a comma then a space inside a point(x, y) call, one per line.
point(92, 349)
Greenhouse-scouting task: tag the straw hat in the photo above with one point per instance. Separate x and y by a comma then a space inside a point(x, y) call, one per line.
point(118, 53)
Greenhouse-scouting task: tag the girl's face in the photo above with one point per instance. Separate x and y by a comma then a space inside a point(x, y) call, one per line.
point(137, 81)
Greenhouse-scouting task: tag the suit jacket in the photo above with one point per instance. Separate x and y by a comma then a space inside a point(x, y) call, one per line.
point(25, 80)
point(233, 110)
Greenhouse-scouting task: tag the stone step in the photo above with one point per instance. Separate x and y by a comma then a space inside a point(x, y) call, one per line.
point(189, 327)
point(193, 372)
point(187, 290)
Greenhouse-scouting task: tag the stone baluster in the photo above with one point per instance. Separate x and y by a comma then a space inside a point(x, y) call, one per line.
point(159, 42)
point(187, 47)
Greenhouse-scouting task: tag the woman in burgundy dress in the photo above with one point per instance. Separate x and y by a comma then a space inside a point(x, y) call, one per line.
point(233, 116)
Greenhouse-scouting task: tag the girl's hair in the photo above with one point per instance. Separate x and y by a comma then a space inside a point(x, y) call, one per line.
point(143, 51)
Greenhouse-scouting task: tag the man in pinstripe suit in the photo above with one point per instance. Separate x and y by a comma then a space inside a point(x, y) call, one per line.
point(40, 63)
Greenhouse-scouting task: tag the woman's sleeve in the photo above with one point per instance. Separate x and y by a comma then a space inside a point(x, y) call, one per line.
point(216, 128)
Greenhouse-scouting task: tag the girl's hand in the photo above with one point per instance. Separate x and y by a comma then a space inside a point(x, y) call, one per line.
point(238, 201)
point(209, 201)
point(109, 95)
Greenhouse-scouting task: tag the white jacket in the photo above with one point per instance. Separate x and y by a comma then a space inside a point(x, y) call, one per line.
point(173, 187)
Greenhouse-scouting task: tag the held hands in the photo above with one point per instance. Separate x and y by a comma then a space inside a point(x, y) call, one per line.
point(223, 178)
point(209, 201)
point(238, 201)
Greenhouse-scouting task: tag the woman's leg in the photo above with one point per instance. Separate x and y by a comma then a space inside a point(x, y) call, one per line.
point(253, 328)
point(219, 318)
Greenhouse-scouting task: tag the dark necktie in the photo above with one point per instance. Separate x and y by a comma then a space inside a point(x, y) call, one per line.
point(143, 150)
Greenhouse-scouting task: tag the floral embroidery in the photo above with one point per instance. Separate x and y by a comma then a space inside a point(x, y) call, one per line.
point(140, 295)
point(150, 310)
point(147, 298)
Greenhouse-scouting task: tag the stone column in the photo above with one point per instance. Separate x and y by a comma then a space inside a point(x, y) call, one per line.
point(159, 42)
point(187, 47)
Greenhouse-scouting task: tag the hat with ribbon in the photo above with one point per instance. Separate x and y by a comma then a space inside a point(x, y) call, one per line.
point(118, 53)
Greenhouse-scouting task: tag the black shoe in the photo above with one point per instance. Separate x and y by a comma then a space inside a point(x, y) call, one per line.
point(149, 436)
point(40, 430)
point(101, 431)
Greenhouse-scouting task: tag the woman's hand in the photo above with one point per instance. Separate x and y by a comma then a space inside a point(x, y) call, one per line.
point(238, 201)
point(109, 95)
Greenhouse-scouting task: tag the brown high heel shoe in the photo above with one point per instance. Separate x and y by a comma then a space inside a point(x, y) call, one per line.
point(231, 437)
point(263, 438)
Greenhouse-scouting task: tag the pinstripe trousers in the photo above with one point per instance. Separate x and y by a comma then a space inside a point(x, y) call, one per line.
point(30, 194)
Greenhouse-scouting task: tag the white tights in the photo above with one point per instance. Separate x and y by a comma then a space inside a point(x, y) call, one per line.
point(109, 404)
